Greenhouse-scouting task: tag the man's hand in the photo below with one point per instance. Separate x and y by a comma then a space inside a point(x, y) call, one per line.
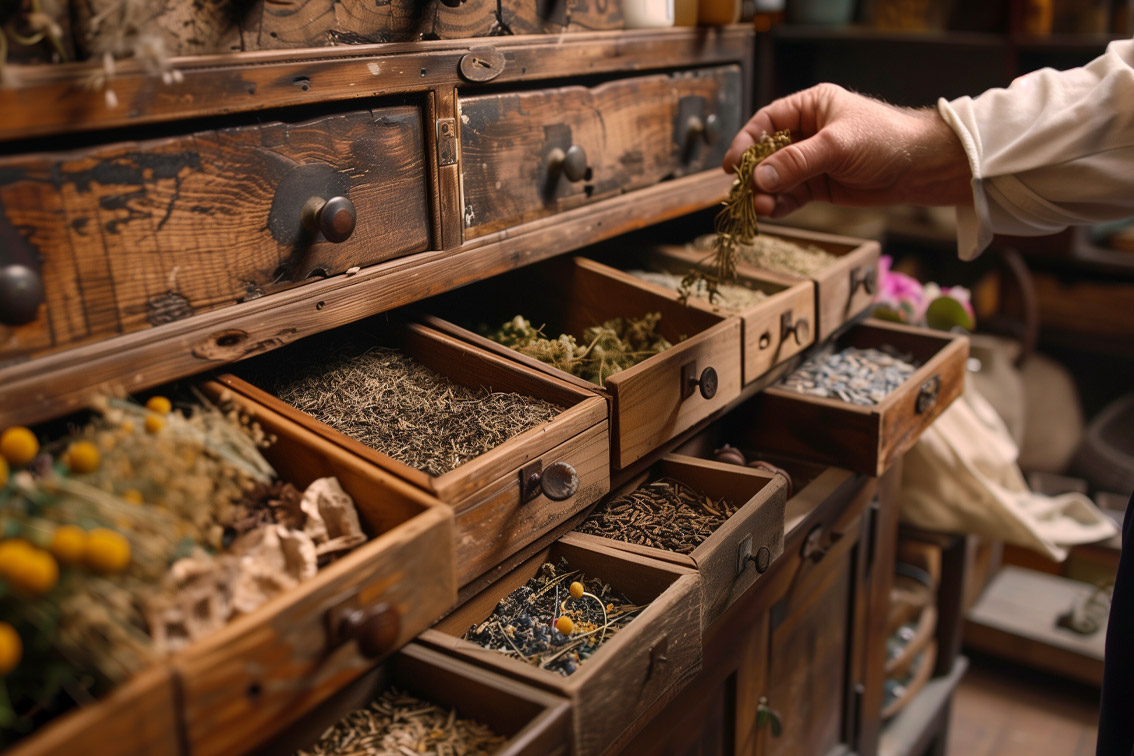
point(853, 150)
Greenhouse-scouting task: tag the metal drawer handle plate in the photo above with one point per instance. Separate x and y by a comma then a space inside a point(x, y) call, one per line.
point(558, 481)
point(572, 163)
point(375, 628)
point(927, 395)
point(744, 556)
point(800, 329)
point(866, 277)
point(335, 218)
point(706, 382)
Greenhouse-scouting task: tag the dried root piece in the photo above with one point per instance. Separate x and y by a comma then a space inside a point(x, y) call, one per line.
point(735, 223)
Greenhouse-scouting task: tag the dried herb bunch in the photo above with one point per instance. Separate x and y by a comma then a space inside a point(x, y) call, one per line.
point(736, 222)
point(664, 514)
point(388, 401)
point(398, 724)
point(730, 297)
point(556, 620)
point(135, 534)
point(857, 376)
point(775, 253)
point(606, 349)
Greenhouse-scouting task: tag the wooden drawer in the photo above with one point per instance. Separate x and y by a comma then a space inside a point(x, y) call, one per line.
point(535, 723)
point(730, 560)
point(141, 233)
point(614, 692)
point(138, 718)
point(497, 512)
point(253, 677)
point(779, 327)
point(651, 402)
point(526, 155)
point(865, 439)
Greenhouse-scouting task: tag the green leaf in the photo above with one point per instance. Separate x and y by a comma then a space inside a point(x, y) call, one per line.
point(946, 313)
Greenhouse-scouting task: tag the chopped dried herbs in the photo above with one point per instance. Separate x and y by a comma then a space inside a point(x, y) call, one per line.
point(606, 349)
point(780, 255)
point(399, 724)
point(523, 625)
point(857, 376)
point(730, 297)
point(664, 514)
point(401, 408)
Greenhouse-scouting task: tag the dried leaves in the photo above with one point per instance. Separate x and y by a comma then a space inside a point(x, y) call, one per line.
point(736, 222)
point(397, 406)
point(609, 348)
point(665, 514)
point(398, 724)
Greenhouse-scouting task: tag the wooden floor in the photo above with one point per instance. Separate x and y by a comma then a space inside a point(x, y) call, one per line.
point(1001, 709)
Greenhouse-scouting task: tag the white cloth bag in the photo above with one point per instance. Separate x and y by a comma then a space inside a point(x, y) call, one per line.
point(961, 476)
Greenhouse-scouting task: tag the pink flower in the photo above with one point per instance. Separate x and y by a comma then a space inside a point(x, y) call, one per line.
point(899, 292)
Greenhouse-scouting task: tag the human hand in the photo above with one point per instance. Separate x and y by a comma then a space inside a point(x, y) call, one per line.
point(853, 150)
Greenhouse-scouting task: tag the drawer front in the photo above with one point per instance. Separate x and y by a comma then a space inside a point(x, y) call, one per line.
point(496, 520)
point(138, 234)
point(250, 679)
point(778, 328)
point(532, 154)
point(865, 439)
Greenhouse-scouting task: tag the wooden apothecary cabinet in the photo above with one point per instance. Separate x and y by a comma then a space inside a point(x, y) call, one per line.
point(650, 402)
point(614, 692)
point(497, 498)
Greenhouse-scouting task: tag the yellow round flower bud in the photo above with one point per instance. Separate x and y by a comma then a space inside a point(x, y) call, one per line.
point(33, 571)
point(83, 457)
point(577, 590)
point(3, 472)
point(69, 544)
point(565, 625)
point(107, 551)
point(11, 648)
point(18, 445)
point(160, 405)
point(154, 423)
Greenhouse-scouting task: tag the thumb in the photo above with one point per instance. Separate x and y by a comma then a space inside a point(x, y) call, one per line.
point(789, 167)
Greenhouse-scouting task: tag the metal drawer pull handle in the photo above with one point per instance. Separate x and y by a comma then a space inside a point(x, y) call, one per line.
point(334, 217)
point(765, 340)
point(927, 395)
point(864, 276)
point(765, 716)
point(801, 329)
point(708, 130)
point(572, 163)
point(706, 383)
point(558, 481)
point(21, 283)
point(374, 629)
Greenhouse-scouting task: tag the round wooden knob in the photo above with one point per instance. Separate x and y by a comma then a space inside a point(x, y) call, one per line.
point(375, 629)
point(729, 454)
point(21, 293)
point(707, 382)
point(572, 163)
point(558, 481)
point(334, 218)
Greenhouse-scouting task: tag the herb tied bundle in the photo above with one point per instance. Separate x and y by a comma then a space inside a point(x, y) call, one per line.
point(735, 223)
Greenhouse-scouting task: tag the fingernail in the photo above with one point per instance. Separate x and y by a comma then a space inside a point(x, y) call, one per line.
point(767, 178)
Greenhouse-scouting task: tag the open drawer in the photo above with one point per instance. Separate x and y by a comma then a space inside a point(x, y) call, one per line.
point(632, 674)
point(532, 721)
point(778, 326)
point(253, 676)
point(652, 401)
point(501, 498)
point(866, 439)
point(734, 555)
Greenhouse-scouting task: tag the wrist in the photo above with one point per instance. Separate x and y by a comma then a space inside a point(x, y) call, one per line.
point(940, 173)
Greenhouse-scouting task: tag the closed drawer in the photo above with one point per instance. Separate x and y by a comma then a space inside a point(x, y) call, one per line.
point(261, 671)
point(632, 674)
point(778, 327)
point(651, 402)
point(532, 722)
point(866, 439)
point(739, 551)
point(137, 234)
point(498, 506)
point(526, 155)
point(138, 718)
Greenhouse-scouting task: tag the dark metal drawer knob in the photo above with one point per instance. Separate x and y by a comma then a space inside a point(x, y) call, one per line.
point(706, 382)
point(572, 163)
point(335, 218)
point(21, 293)
point(374, 629)
point(558, 481)
point(708, 129)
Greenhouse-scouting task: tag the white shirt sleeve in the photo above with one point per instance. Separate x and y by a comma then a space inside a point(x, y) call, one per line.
point(1054, 149)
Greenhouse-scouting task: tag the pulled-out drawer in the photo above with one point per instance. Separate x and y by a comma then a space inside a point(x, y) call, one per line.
point(866, 439)
point(632, 674)
point(140, 233)
point(652, 401)
point(526, 155)
point(740, 550)
point(250, 679)
point(778, 327)
point(502, 499)
point(138, 718)
point(534, 722)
